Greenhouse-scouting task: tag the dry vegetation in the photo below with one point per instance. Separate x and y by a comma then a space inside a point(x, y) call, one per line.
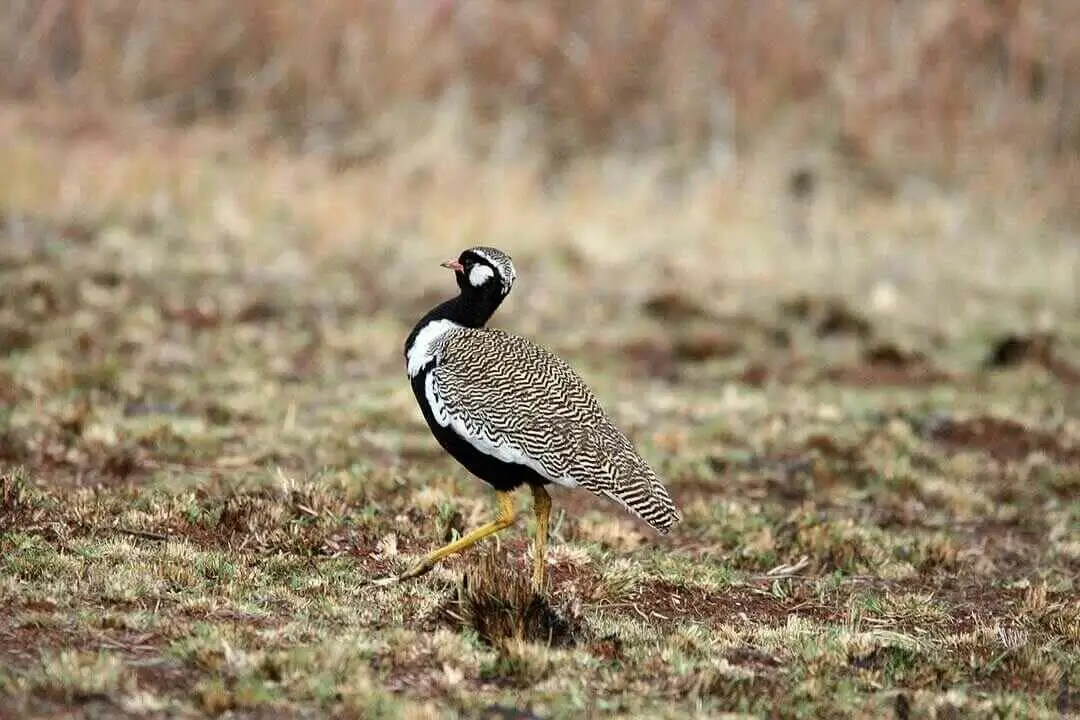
point(865, 402)
point(983, 92)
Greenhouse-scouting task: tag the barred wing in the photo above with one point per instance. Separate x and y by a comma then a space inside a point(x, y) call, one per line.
point(516, 401)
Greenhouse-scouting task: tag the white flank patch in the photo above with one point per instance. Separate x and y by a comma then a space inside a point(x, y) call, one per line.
point(507, 452)
point(426, 345)
point(480, 274)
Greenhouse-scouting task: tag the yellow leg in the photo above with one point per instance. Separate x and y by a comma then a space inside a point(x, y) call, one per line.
point(503, 520)
point(542, 508)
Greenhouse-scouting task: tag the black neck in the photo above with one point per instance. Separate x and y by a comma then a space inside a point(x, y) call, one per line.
point(469, 309)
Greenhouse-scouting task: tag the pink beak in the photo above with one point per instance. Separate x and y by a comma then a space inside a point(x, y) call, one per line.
point(453, 265)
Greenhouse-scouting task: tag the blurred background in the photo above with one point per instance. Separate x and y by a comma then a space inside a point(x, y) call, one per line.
point(893, 151)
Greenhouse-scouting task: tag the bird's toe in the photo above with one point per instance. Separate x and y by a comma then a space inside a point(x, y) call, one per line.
point(420, 568)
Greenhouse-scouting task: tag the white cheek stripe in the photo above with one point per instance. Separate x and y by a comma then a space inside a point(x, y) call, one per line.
point(480, 274)
point(501, 450)
point(505, 265)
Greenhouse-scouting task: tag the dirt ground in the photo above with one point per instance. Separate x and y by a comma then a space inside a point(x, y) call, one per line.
point(209, 448)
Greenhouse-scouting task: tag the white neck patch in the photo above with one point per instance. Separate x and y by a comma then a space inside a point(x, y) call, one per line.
point(480, 274)
point(427, 345)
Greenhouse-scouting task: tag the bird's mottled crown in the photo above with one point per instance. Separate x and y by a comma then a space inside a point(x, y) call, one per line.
point(499, 261)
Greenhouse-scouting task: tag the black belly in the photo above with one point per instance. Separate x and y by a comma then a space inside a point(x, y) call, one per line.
point(500, 474)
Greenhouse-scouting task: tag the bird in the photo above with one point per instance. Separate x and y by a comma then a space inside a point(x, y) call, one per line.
point(513, 414)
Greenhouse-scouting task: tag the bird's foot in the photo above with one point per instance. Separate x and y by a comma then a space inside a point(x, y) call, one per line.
point(421, 568)
point(539, 584)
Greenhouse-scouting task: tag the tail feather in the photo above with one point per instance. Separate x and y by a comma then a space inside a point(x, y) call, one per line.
point(606, 463)
point(647, 498)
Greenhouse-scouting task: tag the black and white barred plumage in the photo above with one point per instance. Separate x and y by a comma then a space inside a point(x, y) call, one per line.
point(514, 413)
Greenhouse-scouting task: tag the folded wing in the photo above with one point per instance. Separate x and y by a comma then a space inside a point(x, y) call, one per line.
point(514, 400)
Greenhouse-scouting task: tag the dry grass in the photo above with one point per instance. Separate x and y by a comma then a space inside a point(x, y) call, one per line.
point(208, 445)
point(864, 401)
point(979, 92)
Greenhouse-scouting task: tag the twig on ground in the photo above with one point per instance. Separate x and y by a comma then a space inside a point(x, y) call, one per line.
point(145, 534)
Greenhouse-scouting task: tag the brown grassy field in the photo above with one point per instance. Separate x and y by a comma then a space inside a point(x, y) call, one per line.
point(856, 365)
point(209, 446)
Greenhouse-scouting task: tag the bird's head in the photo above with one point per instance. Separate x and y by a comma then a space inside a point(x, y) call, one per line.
point(483, 272)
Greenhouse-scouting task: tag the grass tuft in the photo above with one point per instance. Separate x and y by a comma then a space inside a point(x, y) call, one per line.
point(73, 676)
point(498, 602)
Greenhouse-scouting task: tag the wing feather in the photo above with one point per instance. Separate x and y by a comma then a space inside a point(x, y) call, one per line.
point(516, 400)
